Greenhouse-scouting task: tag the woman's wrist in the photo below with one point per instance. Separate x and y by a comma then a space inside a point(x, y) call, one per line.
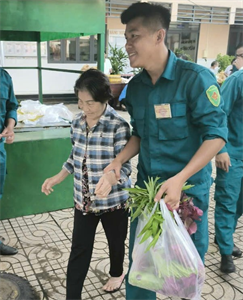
point(111, 177)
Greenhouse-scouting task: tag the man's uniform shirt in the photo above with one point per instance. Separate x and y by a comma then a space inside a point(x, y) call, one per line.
point(173, 118)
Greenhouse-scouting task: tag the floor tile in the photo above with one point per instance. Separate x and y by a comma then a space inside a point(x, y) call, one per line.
point(44, 242)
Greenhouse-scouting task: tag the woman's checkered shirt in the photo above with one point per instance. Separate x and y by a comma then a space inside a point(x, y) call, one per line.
point(102, 144)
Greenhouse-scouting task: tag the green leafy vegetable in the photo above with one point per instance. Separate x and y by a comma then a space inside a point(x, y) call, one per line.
point(141, 202)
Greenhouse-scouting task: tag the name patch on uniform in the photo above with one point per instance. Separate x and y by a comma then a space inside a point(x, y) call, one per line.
point(162, 111)
point(213, 95)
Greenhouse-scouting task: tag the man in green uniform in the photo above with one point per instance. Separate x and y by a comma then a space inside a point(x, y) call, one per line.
point(8, 119)
point(229, 162)
point(178, 123)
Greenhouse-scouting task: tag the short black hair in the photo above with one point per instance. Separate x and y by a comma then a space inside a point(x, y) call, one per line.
point(214, 63)
point(154, 15)
point(96, 83)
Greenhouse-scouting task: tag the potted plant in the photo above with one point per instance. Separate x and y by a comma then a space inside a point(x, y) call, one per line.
point(224, 61)
point(181, 54)
point(118, 58)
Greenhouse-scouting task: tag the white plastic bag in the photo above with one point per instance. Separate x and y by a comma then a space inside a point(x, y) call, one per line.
point(34, 113)
point(173, 267)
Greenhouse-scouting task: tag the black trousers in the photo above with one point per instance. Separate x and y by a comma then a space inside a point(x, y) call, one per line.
point(115, 226)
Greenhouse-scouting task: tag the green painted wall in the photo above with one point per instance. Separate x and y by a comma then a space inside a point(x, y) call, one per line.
point(46, 18)
point(29, 36)
point(33, 157)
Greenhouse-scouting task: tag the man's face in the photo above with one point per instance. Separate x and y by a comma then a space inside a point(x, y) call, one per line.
point(140, 45)
point(215, 66)
point(239, 58)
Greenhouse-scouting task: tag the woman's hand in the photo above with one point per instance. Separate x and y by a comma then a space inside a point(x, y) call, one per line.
point(105, 184)
point(48, 184)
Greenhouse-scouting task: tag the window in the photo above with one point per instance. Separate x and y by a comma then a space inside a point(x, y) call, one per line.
point(114, 8)
point(54, 51)
point(203, 14)
point(239, 16)
point(70, 50)
point(84, 49)
point(73, 50)
point(183, 36)
point(95, 48)
point(235, 38)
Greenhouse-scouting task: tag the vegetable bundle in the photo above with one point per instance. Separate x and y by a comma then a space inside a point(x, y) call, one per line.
point(165, 259)
point(141, 202)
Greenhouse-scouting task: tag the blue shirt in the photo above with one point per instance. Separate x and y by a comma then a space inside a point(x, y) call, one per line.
point(104, 141)
point(8, 101)
point(123, 93)
point(186, 116)
point(8, 110)
point(232, 91)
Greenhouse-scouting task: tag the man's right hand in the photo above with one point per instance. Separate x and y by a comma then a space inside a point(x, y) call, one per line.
point(222, 161)
point(8, 134)
point(115, 166)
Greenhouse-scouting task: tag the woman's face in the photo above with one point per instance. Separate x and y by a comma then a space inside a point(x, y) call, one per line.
point(92, 109)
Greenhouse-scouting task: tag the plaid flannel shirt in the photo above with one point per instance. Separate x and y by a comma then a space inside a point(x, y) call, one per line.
point(103, 142)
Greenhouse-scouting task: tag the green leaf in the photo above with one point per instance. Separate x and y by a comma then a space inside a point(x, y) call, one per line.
point(147, 235)
point(187, 187)
point(118, 59)
point(224, 61)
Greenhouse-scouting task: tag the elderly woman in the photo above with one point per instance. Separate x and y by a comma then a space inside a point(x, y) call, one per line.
point(98, 134)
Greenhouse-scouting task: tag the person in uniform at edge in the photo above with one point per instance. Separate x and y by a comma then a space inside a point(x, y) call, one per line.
point(229, 163)
point(214, 68)
point(178, 123)
point(8, 119)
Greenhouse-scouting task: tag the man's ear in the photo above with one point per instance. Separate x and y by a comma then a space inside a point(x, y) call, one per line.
point(160, 35)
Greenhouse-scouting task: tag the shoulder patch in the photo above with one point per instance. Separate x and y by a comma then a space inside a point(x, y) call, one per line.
point(213, 95)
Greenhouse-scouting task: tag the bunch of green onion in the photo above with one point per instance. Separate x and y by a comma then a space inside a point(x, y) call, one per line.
point(141, 203)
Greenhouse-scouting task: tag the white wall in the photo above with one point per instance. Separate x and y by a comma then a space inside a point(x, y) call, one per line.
point(26, 81)
point(205, 63)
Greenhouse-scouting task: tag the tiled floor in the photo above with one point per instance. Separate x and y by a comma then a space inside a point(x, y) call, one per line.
point(44, 242)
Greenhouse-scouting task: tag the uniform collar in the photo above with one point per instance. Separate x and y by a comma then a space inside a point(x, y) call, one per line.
point(169, 72)
point(170, 69)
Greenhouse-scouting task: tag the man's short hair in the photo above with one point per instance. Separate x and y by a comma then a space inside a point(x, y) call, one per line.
point(240, 45)
point(154, 16)
point(214, 63)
